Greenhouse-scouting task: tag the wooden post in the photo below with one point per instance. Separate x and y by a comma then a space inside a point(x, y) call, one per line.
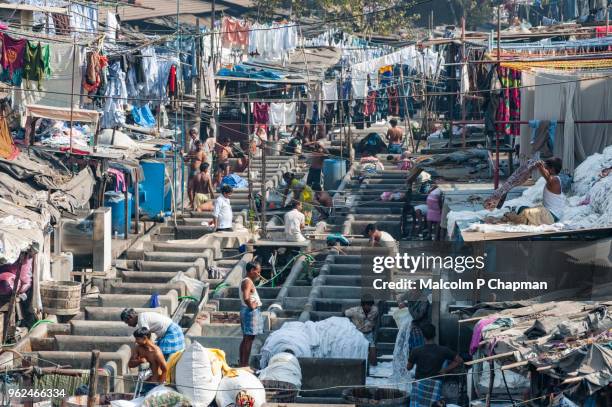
point(250, 139)
point(93, 378)
point(198, 56)
point(407, 125)
point(496, 175)
point(212, 38)
point(72, 89)
point(264, 228)
point(491, 381)
point(463, 100)
point(126, 205)
point(350, 134)
point(136, 203)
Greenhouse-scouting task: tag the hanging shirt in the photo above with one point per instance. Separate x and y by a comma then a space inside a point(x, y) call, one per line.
point(261, 113)
point(34, 64)
point(112, 26)
point(330, 92)
point(290, 114)
point(13, 58)
point(172, 81)
point(277, 114)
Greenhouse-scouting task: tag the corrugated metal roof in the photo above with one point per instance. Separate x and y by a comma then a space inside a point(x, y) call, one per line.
point(163, 8)
point(160, 8)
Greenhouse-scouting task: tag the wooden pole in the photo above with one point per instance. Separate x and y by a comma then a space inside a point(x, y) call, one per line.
point(93, 378)
point(496, 175)
point(264, 227)
point(407, 126)
point(136, 204)
point(491, 381)
point(463, 96)
point(198, 56)
point(350, 133)
point(126, 205)
point(72, 89)
point(212, 37)
point(250, 139)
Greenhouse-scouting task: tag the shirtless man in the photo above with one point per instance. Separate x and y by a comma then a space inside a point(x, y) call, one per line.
point(146, 351)
point(223, 151)
point(201, 192)
point(395, 136)
point(316, 156)
point(197, 158)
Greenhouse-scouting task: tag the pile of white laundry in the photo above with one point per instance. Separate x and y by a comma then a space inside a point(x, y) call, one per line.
point(333, 337)
point(588, 206)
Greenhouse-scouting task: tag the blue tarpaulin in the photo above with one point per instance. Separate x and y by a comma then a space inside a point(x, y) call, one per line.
point(243, 71)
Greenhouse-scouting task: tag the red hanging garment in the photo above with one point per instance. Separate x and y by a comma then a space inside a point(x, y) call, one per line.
point(172, 81)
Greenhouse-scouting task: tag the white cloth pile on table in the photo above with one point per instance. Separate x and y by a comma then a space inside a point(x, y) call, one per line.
point(588, 205)
point(333, 337)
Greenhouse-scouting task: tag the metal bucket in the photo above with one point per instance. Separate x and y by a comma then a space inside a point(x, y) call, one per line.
point(375, 396)
point(273, 148)
point(61, 297)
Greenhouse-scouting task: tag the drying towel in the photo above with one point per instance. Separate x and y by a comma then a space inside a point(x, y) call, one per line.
point(477, 335)
point(8, 150)
point(277, 114)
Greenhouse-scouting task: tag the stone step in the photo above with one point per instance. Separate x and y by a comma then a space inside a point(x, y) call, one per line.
point(264, 292)
point(179, 247)
point(233, 304)
point(114, 313)
point(387, 321)
point(384, 348)
point(150, 277)
point(84, 343)
point(386, 334)
point(147, 288)
point(184, 257)
point(163, 265)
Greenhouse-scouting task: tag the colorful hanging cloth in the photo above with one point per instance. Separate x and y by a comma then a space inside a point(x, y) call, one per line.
point(12, 59)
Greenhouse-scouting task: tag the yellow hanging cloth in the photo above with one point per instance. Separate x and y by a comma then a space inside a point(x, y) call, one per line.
point(8, 150)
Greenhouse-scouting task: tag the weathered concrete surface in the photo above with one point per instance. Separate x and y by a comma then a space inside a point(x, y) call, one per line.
point(114, 313)
point(318, 373)
point(82, 360)
point(169, 301)
point(100, 328)
point(83, 343)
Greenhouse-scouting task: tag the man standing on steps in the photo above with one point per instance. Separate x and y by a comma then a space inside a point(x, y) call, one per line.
point(251, 320)
point(432, 362)
point(395, 137)
point(223, 216)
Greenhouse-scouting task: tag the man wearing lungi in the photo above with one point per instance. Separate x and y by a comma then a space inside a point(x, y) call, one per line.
point(169, 336)
point(430, 360)
point(251, 320)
